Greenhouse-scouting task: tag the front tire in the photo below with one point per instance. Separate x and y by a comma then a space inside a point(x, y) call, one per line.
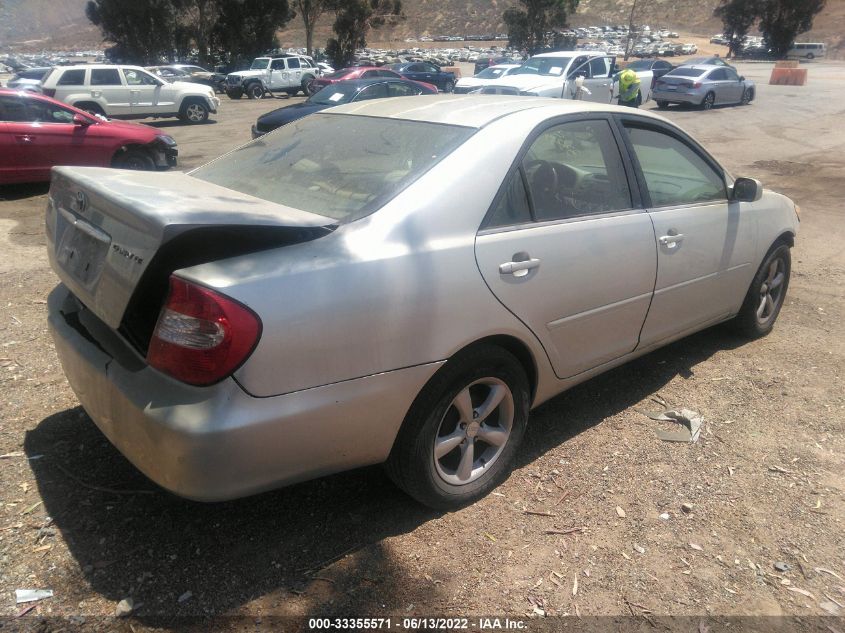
point(662, 104)
point(747, 96)
point(255, 91)
point(462, 431)
point(137, 159)
point(449, 86)
point(194, 112)
point(235, 94)
point(766, 295)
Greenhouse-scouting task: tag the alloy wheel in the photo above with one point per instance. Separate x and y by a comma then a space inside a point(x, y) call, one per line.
point(771, 291)
point(474, 431)
point(195, 113)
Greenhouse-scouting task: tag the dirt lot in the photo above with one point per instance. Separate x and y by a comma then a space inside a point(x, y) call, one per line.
point(765, 481)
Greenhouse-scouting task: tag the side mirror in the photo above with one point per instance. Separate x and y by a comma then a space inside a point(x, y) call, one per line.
point(742, 78)
point(747, 190)
point(78, 119)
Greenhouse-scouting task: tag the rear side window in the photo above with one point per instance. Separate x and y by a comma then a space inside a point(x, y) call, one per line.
point(512, 207)
point(105, 77)
point(717, 75)
point(399, 89)
point(72, 78)
point(12, 109)
point(674, 173)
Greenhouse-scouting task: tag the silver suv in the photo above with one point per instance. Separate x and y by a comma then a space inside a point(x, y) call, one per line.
point(279, 73)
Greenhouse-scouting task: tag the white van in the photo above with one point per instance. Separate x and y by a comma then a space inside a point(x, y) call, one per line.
point(806, 50)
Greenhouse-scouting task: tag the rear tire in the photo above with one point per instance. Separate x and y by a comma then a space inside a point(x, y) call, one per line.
point(137, 159)
point(810, 56)
point(708, 101)
point(766, 294)
point(255, 91)
point(662, 104)
point(235, 94)
point(463, 429)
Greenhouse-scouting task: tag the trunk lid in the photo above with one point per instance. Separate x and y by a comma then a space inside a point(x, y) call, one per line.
point(112, 234)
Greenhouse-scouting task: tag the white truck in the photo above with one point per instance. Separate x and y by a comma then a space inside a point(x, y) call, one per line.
point(279, 73)
point(586, 75)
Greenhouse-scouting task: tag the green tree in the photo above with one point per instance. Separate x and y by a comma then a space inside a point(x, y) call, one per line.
point(247, 28)
point(738, 16)
point(310, 11)
point(780, 21)
point(198, 21)
point(143, 31)
point(531, 24)
point(353, 21)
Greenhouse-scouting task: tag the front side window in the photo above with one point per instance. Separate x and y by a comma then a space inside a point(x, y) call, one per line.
point(575, 169)
point(376, 91)
point(293, 62)
point(399, 89)
point(674, 173)
point(46, 112)
point(72, 78)
point(277, 64)
point(105, 77)
point(599, 67)
point(341, 166)
point(138, 78)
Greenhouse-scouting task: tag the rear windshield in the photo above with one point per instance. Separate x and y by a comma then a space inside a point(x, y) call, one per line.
point(340, 166)
point(686, 72)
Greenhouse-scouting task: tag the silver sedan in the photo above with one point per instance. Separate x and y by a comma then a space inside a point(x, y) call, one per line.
point(703, 85)
point(395, 281)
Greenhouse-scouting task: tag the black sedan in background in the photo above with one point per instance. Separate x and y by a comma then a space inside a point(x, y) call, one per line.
point(427, 72)
point(336, 94)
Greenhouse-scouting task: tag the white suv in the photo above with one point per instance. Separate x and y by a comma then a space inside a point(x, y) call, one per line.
point(129, 92)
point(280, 73)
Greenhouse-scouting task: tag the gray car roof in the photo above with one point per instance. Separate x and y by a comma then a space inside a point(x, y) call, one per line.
point(470, 110)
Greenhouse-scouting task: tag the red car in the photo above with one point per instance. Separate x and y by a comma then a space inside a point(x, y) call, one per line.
point(357, 72)
point(37, 132)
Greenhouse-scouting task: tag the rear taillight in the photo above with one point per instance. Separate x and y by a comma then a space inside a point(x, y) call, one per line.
point(696, 84)
point(50, 92)
point(201, 336)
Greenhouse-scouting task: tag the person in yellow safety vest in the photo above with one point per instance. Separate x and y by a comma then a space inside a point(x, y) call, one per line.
point(629, 89)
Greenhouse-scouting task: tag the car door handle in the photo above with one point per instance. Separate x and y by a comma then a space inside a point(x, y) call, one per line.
point(671, 239)
point(510, 268)
point(25, 138)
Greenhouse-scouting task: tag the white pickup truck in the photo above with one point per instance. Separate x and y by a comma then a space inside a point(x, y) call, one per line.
point(561, 74)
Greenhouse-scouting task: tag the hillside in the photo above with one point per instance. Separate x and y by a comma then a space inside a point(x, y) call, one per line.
point(61, 24)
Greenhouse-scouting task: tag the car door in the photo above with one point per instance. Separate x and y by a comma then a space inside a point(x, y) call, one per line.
point(57, 140)
point(716, 82)
point(17, 154)
point(567, 248)
point(107, 84)
point(295, 71)
point(705, 244)
point(278, 77)
point(144, 92)
point(403, 89)
point(599, 79)
point(734, 86)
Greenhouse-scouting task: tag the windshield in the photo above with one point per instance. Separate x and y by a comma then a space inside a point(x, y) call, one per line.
point(339, 74)
point(686, 72)
point(334, 94)
point(260, 63)
point(549, 66)
point(340, 166)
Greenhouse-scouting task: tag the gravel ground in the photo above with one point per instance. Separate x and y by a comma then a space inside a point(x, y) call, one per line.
point(764, 483)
